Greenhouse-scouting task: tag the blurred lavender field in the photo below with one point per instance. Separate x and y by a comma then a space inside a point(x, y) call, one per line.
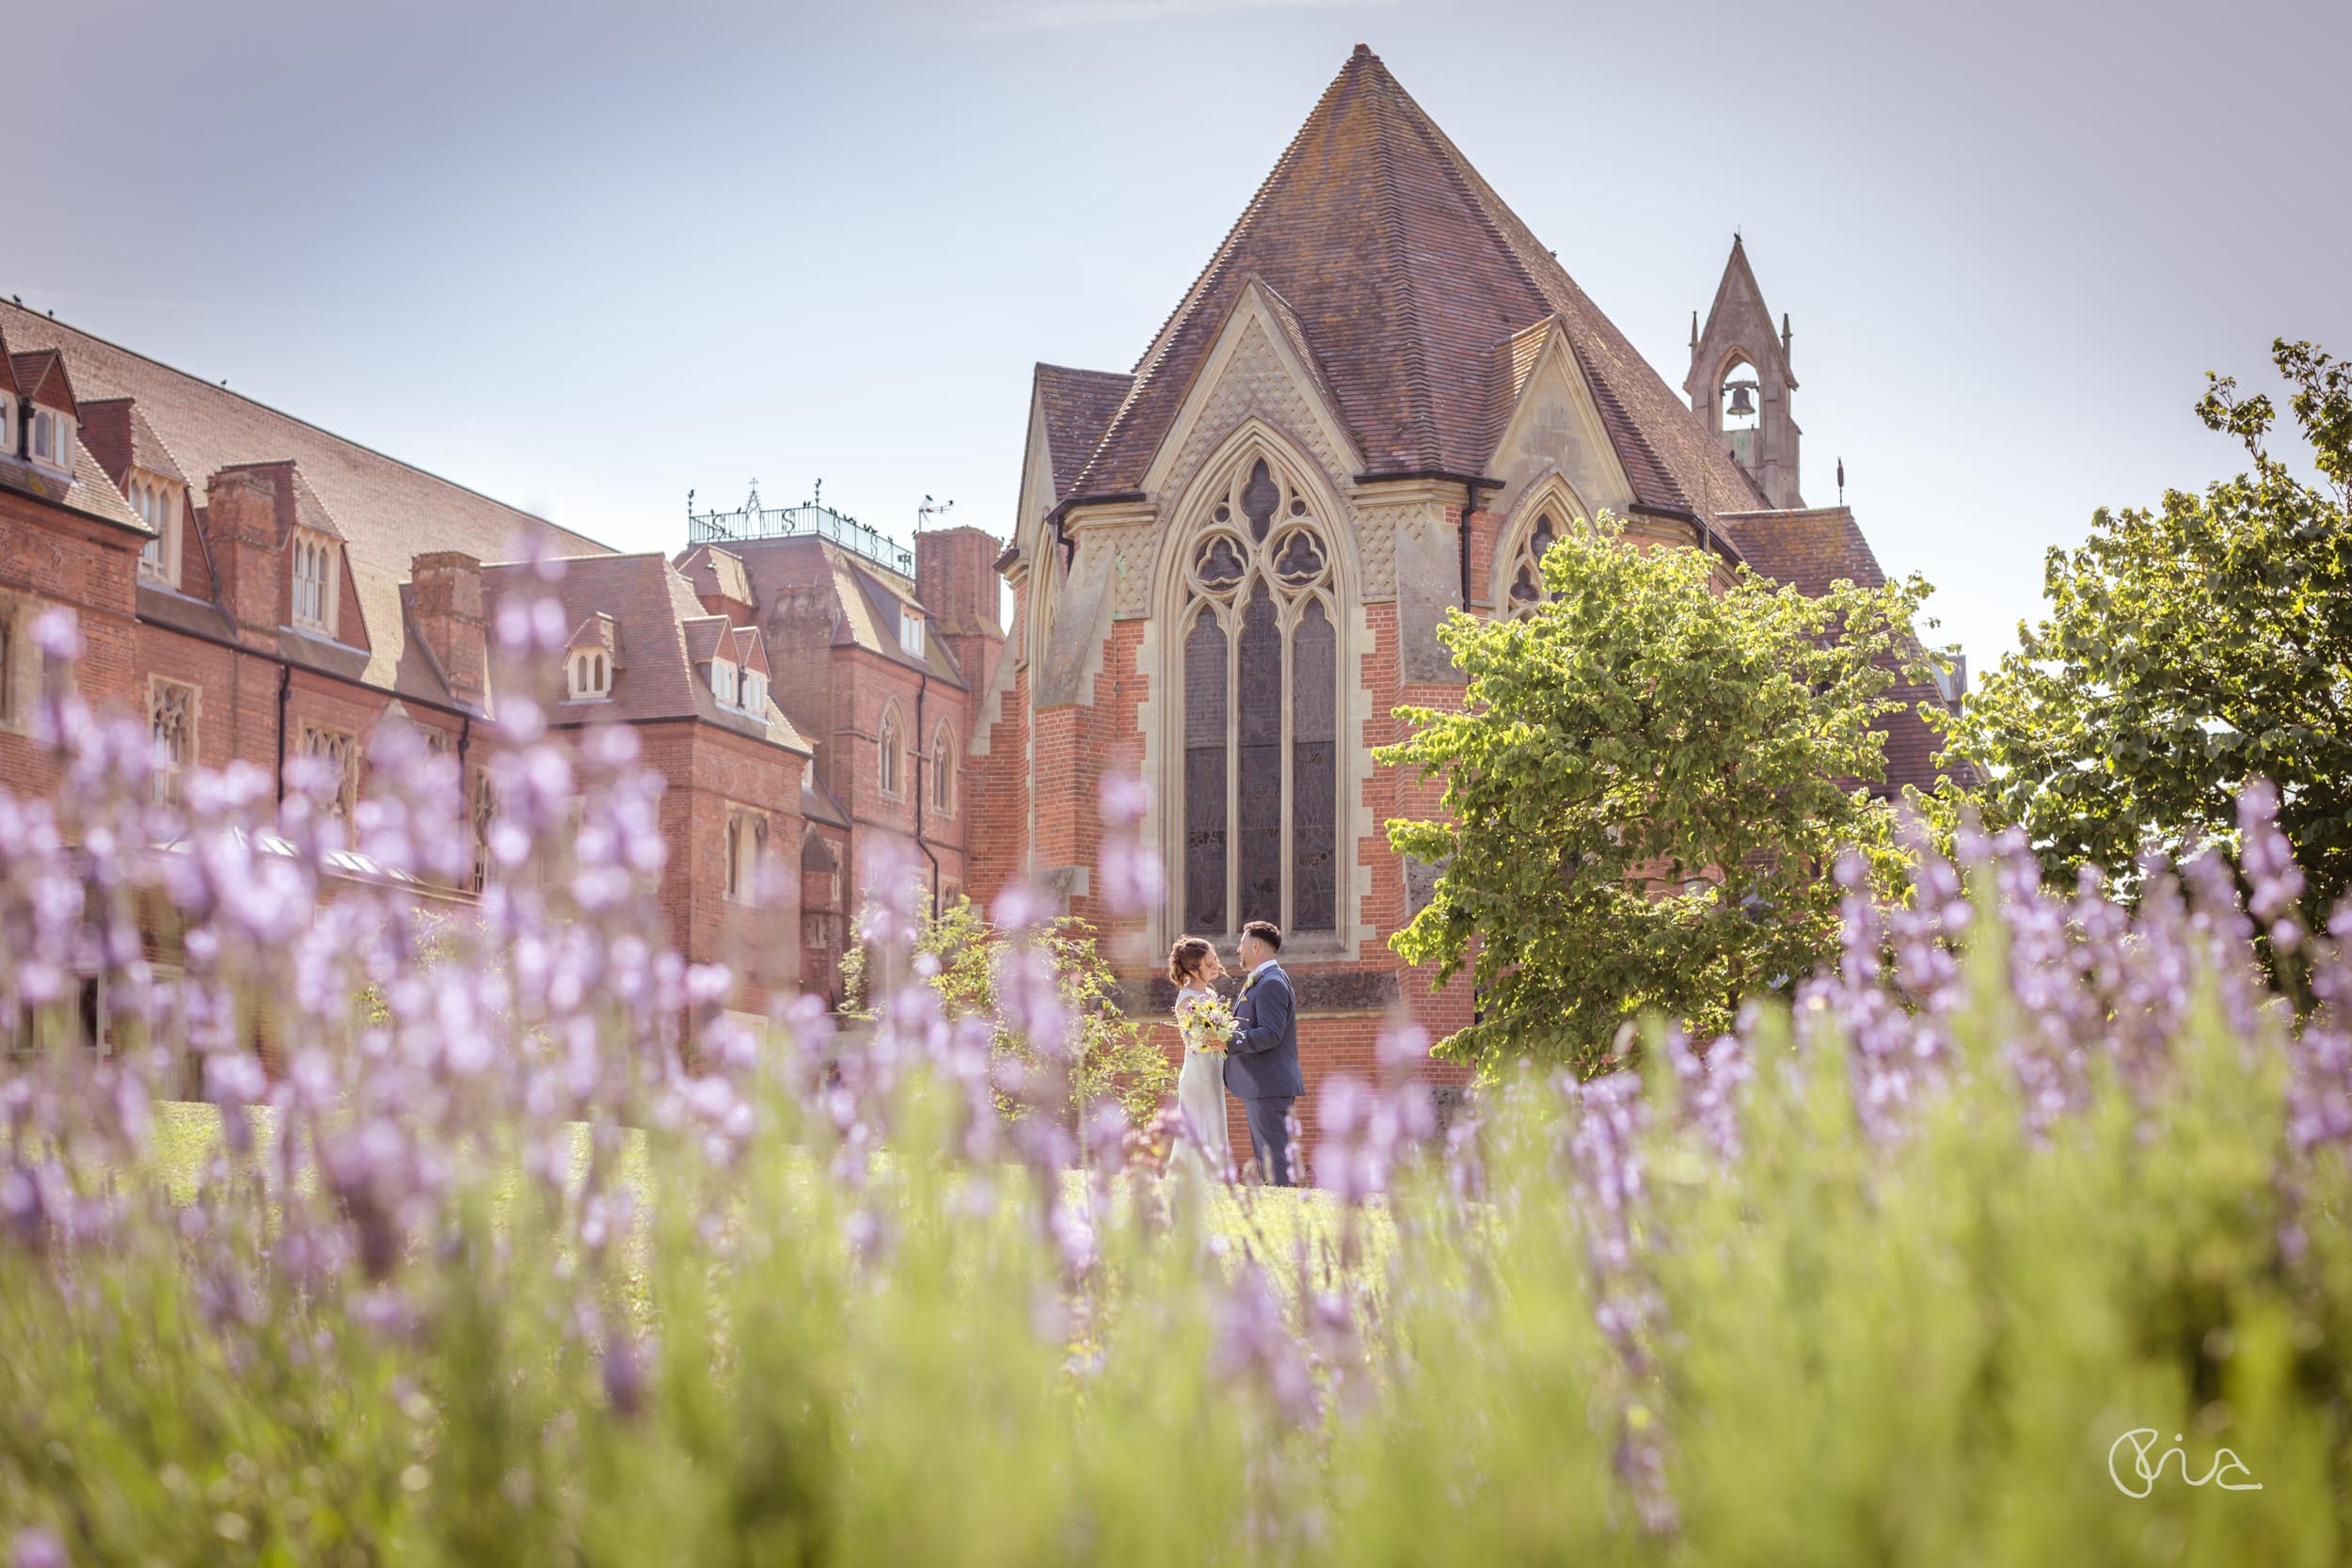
point(535, 1254)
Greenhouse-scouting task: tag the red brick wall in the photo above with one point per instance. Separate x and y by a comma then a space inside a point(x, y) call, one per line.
point(711, 773)
point(49, 556)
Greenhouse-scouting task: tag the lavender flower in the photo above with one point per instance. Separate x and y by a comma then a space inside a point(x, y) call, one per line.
point(36, 1548)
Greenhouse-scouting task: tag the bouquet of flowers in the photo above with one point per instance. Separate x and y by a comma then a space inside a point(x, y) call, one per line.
point(1205, 1022)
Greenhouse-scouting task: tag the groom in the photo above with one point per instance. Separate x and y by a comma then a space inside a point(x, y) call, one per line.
point(1262, 1067)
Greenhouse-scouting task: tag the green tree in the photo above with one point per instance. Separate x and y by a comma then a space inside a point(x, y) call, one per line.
point(1115, 1058)
point(2187, 649)
point(1646, 789)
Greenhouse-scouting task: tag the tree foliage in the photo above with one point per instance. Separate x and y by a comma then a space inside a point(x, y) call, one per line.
point(2188, 649)
point(1111, 1056)
point(1645, 790)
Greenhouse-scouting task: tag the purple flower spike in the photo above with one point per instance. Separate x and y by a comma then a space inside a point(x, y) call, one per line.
point(37, 1548)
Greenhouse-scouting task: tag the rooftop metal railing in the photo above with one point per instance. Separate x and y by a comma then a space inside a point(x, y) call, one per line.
point(811, 519)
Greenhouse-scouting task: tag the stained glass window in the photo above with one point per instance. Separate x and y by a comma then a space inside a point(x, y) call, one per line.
point(1261, 691)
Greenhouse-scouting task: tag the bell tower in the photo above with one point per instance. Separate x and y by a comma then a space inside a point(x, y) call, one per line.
point(1739, 382)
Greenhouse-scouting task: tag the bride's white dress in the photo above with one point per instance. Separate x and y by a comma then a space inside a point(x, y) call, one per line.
point(1200, 1101)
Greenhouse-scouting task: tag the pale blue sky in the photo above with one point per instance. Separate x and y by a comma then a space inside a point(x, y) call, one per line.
point(583, 256)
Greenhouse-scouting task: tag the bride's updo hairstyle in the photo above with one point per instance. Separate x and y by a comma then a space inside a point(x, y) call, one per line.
point(1185, 959)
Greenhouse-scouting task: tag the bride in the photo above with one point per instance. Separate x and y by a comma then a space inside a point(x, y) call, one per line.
point(1201, 1146)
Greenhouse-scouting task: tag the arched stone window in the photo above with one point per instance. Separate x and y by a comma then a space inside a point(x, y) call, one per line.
point(943, 770)
point(887, 768)
point(1258, 632)
point(1527, 574)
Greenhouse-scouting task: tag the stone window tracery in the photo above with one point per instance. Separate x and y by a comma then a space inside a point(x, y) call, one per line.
point(1260, 686)
point(891, 747)
point(339, 750)
point(943, 770)
point(171, 719)
point(1526, 574)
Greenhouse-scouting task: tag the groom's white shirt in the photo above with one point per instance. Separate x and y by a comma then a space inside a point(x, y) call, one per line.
point(1255, 973)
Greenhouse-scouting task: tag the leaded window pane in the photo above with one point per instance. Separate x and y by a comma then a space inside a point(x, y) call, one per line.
point(1258, 498)
point(1314, 764)
point(1261, 760)
point(1261, 820)
point(1220, 564)
point(1300, 559)
point(1204, 774)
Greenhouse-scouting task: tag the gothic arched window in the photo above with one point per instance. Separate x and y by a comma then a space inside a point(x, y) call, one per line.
point(943, 770)
point(1526, 571)
point(886, 770)
point(1259, 630)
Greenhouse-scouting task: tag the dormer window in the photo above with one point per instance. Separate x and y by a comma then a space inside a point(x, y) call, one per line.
point(755, 693)
point(724, 680)
point(52, 439)
point(7, 423)
point(911, 629)
point(157, 502)
point(313, 582)
point(590, 677)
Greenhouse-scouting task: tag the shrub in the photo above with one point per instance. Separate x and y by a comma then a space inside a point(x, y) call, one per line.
point(961, 955)
point(493, 1275)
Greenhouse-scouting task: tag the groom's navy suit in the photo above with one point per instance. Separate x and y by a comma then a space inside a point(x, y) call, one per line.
point(1261, 1067)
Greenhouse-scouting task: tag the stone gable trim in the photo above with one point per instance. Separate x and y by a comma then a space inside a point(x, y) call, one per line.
point(1253, 368)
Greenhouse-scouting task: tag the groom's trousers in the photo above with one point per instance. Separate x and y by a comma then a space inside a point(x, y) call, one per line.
point(1270, 1138)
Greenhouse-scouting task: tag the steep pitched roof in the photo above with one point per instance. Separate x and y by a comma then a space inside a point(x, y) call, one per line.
point(1078, 408)
point(706, 636)
point(120, 436)
point(657, 624)
point(1404, 271)
point(1811, 548)
point(750, 649)
point(90, 491)
point(865, 603)
point(385, 512)
point(41, 379)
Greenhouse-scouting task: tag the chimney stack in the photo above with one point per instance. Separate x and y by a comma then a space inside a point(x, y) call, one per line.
point(241, 526)
point(445, 601)
point(955, 578)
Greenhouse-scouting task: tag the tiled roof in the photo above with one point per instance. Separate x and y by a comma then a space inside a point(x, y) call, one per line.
point(42, 380)
point(597, 631)
point(89, 491)
point(385, 511)
point(1404, 271)
point(1078, 408)
point(864, 603)
point(750, 649)
point(705, 636)
point(654, 611)
point(122, 439)
point(726, 578)
point(1812, 548)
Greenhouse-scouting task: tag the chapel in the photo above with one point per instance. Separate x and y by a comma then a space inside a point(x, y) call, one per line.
point(1380, 401)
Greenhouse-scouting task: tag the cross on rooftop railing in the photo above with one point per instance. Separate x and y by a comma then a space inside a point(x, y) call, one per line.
point(810, 519)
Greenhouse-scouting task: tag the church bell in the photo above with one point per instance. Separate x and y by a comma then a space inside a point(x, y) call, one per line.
point(1742, 401)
